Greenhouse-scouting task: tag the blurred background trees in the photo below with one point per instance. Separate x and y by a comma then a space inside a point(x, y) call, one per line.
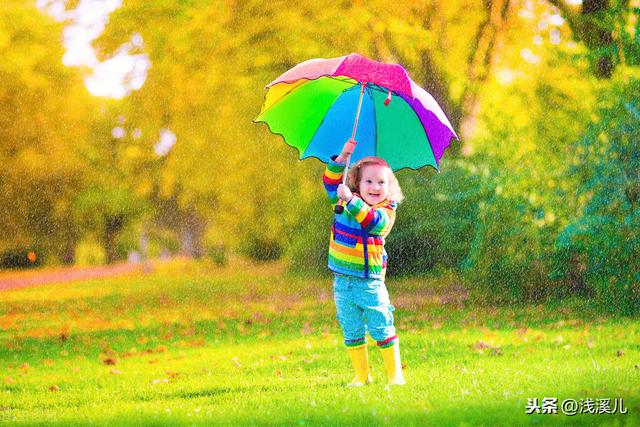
point(44, 112)
point(539, 198)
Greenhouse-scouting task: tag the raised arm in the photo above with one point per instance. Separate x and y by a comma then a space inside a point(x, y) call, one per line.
point(332, 178)
point(334, 171)
point(377, 221)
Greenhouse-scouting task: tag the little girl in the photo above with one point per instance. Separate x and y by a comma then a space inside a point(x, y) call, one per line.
point(358, 259)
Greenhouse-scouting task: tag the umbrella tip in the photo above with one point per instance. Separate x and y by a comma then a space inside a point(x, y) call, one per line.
point(388, 100)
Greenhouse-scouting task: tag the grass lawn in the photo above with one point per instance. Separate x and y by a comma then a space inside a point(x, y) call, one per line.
point(249, 345)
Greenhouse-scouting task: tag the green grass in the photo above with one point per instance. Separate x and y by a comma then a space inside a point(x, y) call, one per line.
point(248, 345)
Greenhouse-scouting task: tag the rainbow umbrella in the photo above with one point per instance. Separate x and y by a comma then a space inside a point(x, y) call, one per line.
point(320, 103)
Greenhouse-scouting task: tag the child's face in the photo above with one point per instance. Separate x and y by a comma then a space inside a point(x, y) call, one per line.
point(374, 184)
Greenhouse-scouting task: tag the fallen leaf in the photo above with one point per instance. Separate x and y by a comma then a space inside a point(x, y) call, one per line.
point(131, 353)
point(110, 361)
point(115, 371)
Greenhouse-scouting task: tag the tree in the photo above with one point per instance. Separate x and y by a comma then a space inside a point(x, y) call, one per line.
point(605, 27)
point(44, 112)
point(603, 237)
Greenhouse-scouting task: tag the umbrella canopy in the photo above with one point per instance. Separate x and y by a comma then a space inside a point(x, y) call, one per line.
point(313, 106)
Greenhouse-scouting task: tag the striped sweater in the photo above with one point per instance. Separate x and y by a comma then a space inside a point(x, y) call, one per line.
point(358, 223)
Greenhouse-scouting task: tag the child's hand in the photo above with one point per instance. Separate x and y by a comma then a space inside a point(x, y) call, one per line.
point(344, 193)
point(347, 150)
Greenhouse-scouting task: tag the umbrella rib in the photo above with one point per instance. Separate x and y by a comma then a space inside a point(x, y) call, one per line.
point(325, 116)
point(426, 136)
point(375, 122)
point(382, 89)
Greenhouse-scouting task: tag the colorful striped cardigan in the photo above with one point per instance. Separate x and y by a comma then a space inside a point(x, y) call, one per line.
point(358, 223)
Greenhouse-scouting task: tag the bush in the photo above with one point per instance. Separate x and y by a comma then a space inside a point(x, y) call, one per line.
point(307, 252)
point(218, 254)
point(20, 258)
point(90, 252)
point(605, 234)
point(434, 225)
point(263, 249)
point(509, 257)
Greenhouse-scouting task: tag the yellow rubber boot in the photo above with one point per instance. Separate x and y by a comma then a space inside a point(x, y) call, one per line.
point(391, 357)
point(360, 361)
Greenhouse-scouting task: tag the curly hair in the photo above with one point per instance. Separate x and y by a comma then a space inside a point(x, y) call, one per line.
point(355, 174)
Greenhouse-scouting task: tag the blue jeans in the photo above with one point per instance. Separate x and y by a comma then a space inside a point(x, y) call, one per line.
point(363, 305)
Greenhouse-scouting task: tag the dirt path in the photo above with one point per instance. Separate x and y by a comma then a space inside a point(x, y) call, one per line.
point(23, 279)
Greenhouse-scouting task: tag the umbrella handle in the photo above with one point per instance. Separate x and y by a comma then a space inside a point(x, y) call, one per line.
point(339, 208)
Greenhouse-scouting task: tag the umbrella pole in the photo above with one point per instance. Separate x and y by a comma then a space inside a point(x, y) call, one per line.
point(340, 208)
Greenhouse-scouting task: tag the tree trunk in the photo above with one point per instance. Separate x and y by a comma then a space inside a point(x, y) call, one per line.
point(597, 37)
point(479, 64)
point(193, 229)
point(590, 26)
point(69, 253)
point(114, 225)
